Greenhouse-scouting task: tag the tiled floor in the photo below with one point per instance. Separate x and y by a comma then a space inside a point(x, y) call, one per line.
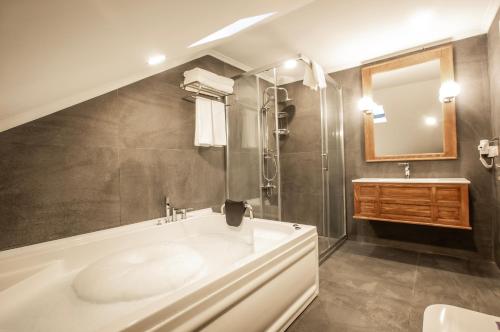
point(371, 288)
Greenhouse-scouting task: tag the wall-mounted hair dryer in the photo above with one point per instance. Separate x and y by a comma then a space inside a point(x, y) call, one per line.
point(488, 148)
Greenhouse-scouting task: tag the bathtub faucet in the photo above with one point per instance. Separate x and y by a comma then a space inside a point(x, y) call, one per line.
point(247, 207)
point(172, 212)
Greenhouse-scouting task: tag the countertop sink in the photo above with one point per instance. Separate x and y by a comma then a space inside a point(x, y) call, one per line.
point(412, 180)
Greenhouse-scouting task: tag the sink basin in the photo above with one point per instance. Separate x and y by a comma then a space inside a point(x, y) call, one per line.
point(444, 318)
point(414, 180)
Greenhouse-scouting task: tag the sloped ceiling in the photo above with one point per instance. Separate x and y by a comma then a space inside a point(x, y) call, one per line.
point(56, 53)
point(343, 34)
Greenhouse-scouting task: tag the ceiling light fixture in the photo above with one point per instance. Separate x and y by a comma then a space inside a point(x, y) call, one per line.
point(156, 59)
point(290, 64)
point(232, 28)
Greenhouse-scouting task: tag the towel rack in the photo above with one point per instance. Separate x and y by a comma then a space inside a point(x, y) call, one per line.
point(201, 89)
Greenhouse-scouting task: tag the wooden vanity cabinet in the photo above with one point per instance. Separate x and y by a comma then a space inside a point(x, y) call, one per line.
point(442, 205)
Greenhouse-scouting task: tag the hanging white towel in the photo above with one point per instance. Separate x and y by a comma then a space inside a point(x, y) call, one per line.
point(314, 76)
point(219, 123)
point(319, 75)
point(203, 135)
point(309, 79)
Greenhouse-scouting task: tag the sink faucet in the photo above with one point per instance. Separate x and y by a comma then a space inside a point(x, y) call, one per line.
point(407, 169)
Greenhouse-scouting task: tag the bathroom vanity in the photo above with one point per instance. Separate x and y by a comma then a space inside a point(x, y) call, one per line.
point(437, 202)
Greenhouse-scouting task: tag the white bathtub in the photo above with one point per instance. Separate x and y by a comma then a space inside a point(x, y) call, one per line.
point(258, 278)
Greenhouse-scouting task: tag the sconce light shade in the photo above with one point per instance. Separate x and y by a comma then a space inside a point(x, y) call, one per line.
point(448, 91)
point(366, 104)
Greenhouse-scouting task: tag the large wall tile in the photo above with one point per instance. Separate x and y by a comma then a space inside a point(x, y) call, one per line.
point(48, 192)
point(93, 123)
point(301, 172)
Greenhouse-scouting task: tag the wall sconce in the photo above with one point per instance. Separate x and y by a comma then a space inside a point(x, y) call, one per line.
point(366, 104)
point(448, 91)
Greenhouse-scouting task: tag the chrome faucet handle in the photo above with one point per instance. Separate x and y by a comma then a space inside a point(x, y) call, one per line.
point(184, 212)
point(168, 210)
point(407, 168)
point(250, 209)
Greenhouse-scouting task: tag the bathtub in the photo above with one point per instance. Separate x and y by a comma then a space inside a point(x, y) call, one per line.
point(195, 274)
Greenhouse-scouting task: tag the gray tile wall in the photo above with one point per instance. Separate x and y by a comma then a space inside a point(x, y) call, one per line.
point(473, 123)
point(301, 159)
point(107, 162)
point(494, 73)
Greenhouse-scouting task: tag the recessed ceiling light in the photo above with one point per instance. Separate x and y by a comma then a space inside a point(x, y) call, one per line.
point(290, 64)
point(232, 28)
point(430, 121)
point(156, 59)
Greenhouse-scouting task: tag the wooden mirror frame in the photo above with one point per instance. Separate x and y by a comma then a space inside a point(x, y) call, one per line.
point(445, 56)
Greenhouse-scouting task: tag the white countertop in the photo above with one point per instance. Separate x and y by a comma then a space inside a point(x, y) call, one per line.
point(414, 180)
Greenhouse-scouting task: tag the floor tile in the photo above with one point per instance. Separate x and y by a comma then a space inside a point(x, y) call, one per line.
point(366, 287)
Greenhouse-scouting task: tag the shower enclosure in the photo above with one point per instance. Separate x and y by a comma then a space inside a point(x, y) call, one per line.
point(285, 150)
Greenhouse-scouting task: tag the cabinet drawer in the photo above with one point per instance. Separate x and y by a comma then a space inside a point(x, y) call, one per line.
point(406, 193)
point(367, 208)
point(406, 210)
point(367, 191)
point(448, 195)
point(448, 215)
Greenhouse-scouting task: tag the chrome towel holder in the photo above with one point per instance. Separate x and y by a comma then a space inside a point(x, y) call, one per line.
point(202, 90)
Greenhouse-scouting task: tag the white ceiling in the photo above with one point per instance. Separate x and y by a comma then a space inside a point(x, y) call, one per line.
point(341, 34)
point(56, 53)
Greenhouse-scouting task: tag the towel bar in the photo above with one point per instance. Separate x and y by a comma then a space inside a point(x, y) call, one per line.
point(203, 90)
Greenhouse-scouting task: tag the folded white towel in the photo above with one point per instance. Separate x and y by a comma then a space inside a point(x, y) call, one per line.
point(203, 135)
point(198, 73)
point(219, 123)
point(210, 79)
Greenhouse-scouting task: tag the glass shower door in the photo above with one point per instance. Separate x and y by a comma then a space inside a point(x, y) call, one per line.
point(332, 168)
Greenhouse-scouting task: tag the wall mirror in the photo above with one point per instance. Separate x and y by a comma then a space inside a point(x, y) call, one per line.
point(407, 121)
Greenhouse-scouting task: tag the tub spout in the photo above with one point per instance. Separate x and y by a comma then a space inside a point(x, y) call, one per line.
point(250, 209)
